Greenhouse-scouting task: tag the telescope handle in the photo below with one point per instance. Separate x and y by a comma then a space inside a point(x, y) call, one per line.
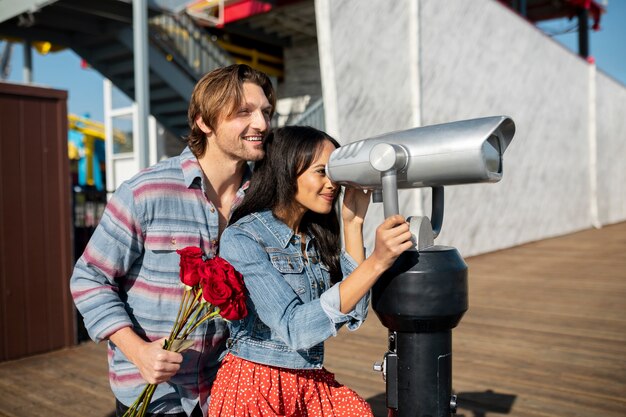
point(436, 215)
point(390, 193)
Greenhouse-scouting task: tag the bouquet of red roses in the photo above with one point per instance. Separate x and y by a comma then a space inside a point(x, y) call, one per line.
point(212, 288)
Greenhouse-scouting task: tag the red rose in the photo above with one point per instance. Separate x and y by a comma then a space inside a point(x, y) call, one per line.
point(223, 287)
point(234, 309)
point(190, 261)
point(215, 289)
point(232, 276)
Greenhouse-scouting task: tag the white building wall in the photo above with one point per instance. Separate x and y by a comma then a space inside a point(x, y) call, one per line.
point(367, 79)
point(611, 140)
point(478, 59)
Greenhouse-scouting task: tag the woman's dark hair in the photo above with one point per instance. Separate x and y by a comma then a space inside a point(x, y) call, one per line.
point(289, 151)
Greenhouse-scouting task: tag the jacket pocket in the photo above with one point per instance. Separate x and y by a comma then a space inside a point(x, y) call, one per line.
point(291, 267)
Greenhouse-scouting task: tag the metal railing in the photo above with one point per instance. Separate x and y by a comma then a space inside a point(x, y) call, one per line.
point(185, 41)
point(191, 47)
point(313, 116)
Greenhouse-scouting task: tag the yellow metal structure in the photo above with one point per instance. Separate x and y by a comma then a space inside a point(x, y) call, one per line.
point(91, 131)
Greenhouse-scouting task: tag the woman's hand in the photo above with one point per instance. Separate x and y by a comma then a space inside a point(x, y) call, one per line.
point(392, 238)
point(355, 204)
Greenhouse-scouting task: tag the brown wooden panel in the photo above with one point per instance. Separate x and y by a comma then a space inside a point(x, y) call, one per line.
point(35, 241)
point(13, 300)
point(56, 182)
point(37, 310)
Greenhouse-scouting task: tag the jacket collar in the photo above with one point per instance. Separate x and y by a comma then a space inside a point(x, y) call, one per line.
point(279, 230)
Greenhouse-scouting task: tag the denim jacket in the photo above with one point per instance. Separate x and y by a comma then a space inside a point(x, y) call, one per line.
point(292, 308)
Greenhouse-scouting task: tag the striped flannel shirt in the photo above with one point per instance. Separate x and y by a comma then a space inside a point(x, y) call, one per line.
point(128, 275)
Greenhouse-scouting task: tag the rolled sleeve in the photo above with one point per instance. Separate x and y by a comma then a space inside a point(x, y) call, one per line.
point(331, 300)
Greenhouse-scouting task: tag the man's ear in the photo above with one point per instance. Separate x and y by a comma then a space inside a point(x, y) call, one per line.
point(200, 123)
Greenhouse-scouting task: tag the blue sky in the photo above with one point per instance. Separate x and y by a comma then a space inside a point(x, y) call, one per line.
point(62, 70)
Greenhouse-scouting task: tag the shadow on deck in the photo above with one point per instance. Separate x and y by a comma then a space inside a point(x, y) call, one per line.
point(545, 335)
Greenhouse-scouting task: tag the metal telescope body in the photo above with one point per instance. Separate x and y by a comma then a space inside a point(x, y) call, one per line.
point(423, 295)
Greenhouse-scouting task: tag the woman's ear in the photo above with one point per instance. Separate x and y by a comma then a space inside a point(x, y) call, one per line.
point(200, 123)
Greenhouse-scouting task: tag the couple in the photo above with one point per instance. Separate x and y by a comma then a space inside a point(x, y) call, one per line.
point(283, 238)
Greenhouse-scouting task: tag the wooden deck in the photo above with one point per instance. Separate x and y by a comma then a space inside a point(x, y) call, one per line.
point(545, 335)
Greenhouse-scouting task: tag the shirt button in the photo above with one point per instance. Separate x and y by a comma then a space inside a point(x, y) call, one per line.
point(212, 210)
point(173, 241)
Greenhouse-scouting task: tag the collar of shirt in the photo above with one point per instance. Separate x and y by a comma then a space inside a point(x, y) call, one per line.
point(192, 171)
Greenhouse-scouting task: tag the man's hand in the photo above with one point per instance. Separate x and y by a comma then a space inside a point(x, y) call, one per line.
point(155, 364)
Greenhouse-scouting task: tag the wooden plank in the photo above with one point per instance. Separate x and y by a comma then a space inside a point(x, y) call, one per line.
point(545, 333)
point(544, 336)
point(70, 382)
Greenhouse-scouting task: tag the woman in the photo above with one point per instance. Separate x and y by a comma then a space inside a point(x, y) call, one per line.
point(284, 239)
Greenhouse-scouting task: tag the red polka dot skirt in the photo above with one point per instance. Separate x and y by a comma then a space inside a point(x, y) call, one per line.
point(247, 389)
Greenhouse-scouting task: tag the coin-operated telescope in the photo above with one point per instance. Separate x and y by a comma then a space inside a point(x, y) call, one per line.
point(423, 296)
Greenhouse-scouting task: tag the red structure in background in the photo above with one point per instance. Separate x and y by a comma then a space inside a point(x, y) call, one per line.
point(243, 9)
point(217, 13)
point(542, 10)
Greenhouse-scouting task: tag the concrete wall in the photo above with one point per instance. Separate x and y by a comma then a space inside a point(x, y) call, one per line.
point(611, 149)
point(394, 65)
point(302, 71)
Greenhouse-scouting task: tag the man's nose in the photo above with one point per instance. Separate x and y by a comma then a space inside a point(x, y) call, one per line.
point(260, 121)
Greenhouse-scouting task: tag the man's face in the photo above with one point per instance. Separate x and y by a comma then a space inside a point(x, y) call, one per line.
point(240, 135)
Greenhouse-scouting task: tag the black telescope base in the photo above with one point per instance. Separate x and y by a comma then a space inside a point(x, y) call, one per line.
point(421, 384)
point(420, 299)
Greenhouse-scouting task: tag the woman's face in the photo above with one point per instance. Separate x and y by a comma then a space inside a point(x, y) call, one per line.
point(316, 192)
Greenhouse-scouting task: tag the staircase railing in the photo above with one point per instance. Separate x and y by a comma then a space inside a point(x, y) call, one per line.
point(191, 47)
point(186, 42)
point(313, 116)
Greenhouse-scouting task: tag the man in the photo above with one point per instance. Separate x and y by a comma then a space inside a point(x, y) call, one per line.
point(126, 284)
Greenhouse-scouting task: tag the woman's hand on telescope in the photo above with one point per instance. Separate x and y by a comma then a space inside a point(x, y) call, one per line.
point(355, 204)
point(392, 238)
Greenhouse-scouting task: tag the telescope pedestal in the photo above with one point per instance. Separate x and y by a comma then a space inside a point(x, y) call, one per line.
point(420, 299)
